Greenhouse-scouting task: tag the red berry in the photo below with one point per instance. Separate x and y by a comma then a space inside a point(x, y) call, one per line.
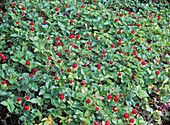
point(126, 115)
point(71, 21)
point(121, 95)
point(32, 28)
point(75, 65)
point(3, 57)
point(116, 20)
point(157, 72)
point(131, 120)
point(116, 99)
point(58, 38)
point(138, 25)
point(121, 15)
point(111, 62)
point(119, 74)
point(57, 9)
point(8, 82)
point(88, 100)
point(78, 36)
point(3, 82)
point(160, 108)
point(18, 99)
point(109, 97)
point(131, 24)
point(32, 24)
point(17, 22)
point(68, 70)
point(96, 123)
point(134, 111)
point(143, 62)
point(35, 70)
point(58, 53)
point(83, 83)
point(50, 58)
point(119, 43)
point(133, 40)
point(28, 63)
point(104, 52)
point(23, 8)
point(166, 107)
point(32, 74)
point(66, 6)
point(97, 108)
point(133, 76)
point(62, 97)
point(133, 31)
point(27, 97)
point(26, 108)
point(56, 78)
point(0, 54)
point(107, 122)
point(112, 45)
point(150, 48)
point(134, 52)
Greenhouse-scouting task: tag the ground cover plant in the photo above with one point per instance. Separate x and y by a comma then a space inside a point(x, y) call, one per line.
point(103, 62)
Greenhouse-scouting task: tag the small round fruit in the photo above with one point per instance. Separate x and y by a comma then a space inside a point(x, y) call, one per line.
point(88, 100)
point(126, 115)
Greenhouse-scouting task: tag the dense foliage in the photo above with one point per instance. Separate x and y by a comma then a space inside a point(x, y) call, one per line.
point(84, 62)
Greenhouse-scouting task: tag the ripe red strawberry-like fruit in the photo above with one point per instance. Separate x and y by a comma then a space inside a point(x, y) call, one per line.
point(116, 20)
point(31, 74)
point(112, 45)
point(104, 52)
point(134, 52)
point(27, 97)
point(45, 22)
point(131, 120)
point(160, 108)
point(75, 65)
point(58, 38)
point(28, 63)
point(58, 53)
point(83, 83)
point(50, 58)
point(121, 95)
point(3, 57)
point(68, 70)
point(157, 72)
point(134, 111)
point(116, 99)
point(133, 76)
point(131, 24)
point(62, 97)
point(121, 15)
point(111, 62)
point(66, 6)
point(88, 100)
point(143, 63)
point(32, 24)
point(126, 115)
point(97, 108)
point(32, 28)
point(34, 70)
point(133, 31)
point(150, 48)
point(166, 107)
point(71, 21)
point(57, 9)
point(96, 123)
point(26, 108)
point(107, 122)
point(17, 22)
point(138, 25)
point(119, 74)
point(78, 36)
point(133, 40)
point(109, 97)
point(56, 78)
point(119, 43)
point(19, 99)
point(3, 82)
point(23, 8)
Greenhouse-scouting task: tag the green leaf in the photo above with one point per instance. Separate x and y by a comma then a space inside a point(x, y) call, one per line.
point(1, 73)
point(5, 103)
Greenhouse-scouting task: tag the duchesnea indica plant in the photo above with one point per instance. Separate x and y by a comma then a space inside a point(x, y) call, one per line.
point(102, 62)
